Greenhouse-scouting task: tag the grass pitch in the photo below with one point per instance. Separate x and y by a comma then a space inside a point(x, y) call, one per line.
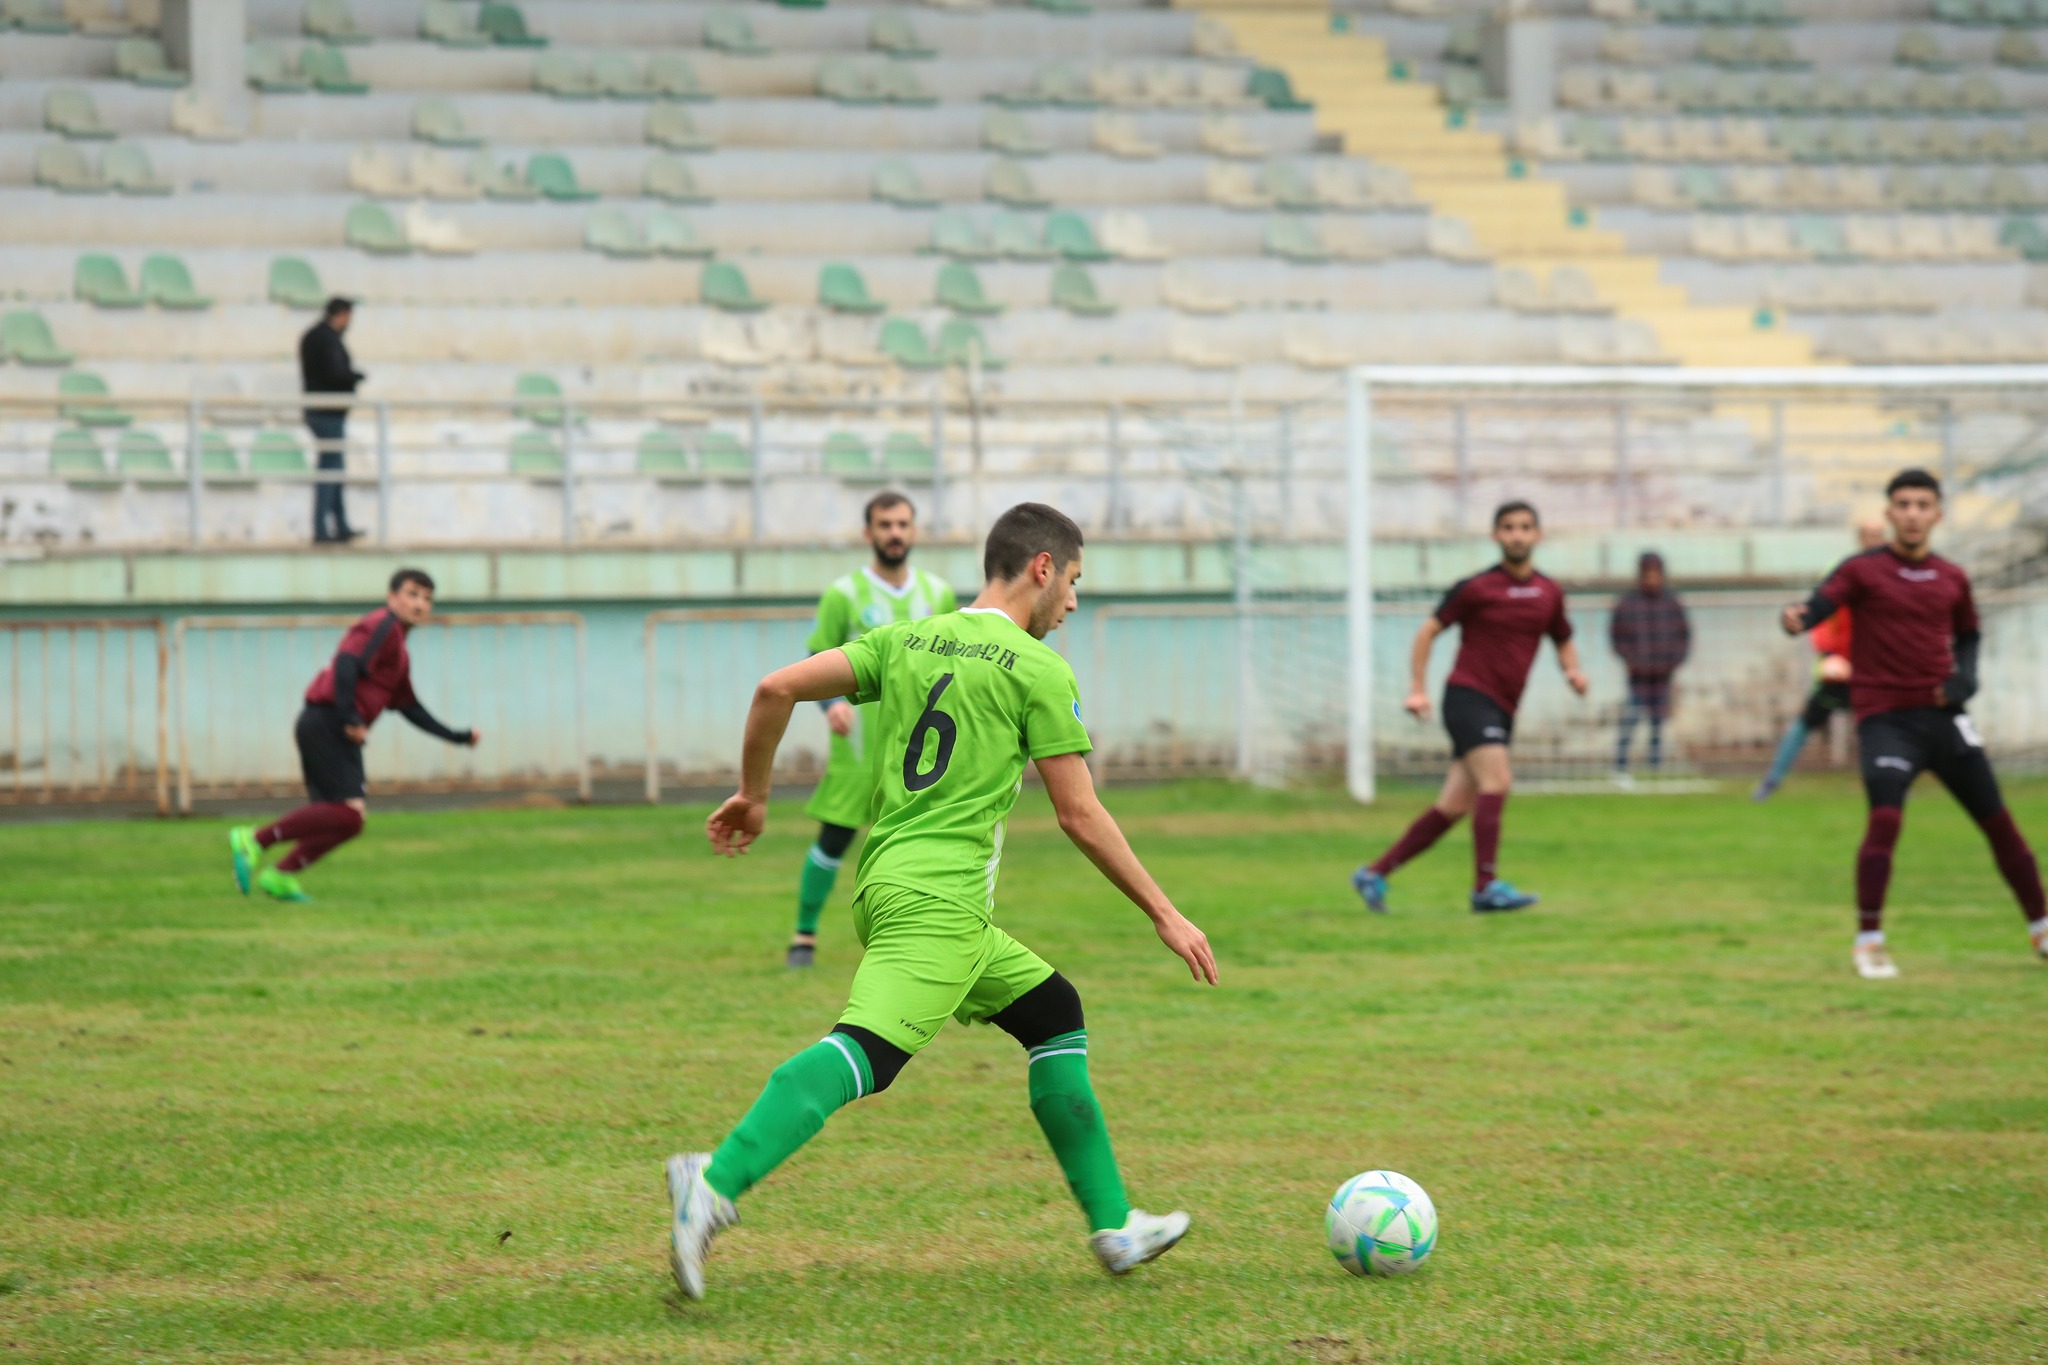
point(424, 1118)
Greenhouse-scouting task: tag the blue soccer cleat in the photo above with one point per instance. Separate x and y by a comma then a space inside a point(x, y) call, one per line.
point(1498, 896)
point(1371, 887)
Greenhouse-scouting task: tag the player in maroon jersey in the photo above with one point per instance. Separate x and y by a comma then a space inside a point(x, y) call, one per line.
point(1504, 613)
point(1913, 663)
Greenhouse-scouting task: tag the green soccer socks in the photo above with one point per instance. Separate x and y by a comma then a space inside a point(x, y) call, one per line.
point(821, 870)
point(1064, 1104)
point(800, 1095)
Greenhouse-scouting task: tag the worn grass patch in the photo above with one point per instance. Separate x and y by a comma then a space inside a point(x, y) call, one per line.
point(423, 1118)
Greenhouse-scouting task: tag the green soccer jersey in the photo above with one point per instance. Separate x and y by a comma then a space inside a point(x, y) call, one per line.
point(963, 701)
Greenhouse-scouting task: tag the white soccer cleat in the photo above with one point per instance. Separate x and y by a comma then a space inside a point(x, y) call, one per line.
point(1874, 962)
point(2039, 934)
point(699, 1214)
point(1143, 1237)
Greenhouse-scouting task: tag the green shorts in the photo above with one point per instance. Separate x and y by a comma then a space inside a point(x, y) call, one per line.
point(846, 795)
point(928, 959)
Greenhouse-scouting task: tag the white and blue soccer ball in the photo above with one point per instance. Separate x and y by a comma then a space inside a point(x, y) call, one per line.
point(1380, 1223)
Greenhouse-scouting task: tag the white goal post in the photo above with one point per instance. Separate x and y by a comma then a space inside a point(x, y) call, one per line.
point(1728, 448)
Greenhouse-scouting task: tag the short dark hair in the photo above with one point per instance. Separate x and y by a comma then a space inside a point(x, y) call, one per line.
point(405, 576)
point(882, 502)
point(1914, 478)
point(1025, 532)
point(1508, 509)
point(337, 306)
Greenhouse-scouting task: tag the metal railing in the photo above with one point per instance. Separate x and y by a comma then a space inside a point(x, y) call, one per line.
point(251, 695)
point(63, 741)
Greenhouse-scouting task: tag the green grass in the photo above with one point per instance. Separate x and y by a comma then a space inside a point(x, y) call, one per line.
point(424, 1117)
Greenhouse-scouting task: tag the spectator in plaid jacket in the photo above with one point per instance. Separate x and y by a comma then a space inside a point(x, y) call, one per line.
point(1652, 635)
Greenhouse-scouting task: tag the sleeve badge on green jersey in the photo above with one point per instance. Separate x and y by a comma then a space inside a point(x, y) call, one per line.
point(1077, 708)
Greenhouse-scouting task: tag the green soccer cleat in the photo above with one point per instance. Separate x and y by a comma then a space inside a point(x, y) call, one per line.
point(248, 857)
point(281, 886)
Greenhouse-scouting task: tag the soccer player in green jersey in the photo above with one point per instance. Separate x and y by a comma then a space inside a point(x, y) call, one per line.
point(964, 701)
point(877, 594)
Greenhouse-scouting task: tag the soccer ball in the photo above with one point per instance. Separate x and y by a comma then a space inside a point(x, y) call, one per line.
point(1380, 1223)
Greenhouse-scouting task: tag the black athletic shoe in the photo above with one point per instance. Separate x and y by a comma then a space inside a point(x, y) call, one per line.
point(801, 955)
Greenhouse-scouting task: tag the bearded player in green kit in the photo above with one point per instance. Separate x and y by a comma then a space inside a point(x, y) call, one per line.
point(963, 702)
point(876, 594)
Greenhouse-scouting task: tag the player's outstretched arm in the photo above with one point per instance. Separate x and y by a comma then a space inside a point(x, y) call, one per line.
point(1094, 831)
point(1568, 660)
point(1418, 668)
point(744, 814)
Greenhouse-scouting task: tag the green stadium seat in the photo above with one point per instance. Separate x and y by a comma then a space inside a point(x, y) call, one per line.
point(327, 69)
point(1921, 49)
point(2007, 189)
point(959, 289)
point(85, 401)
point(63, 167)
point(554, 177)
point(25, 335)
point(499, 180)
point(669, 177)
point(441, 123)
point(905, 452)
point(142, 61)
point(370, 228)
point(661, 455)
point(506, 26)
point(670, 125)
point(1820, 238)
point(1018, 238)
point(1287, 187)
point(841, 289)
point(295, 284)
point(1597, 140)
point(892, 31)
point(1272, 88)
point(903, 342)
point(618, 78)
point(1942, 140)
point(1070, 236)
point(34, 16)
point(1704, 187)
point(960, 340)
point(563, 76)
point(332, 21)
point(1463, 87)
point(217, 460)
point(271, 68)
point(99, 280)
point(141, 455)
point(76, 458)
point(1065, 85)
point(1980, 93)
point(896, 182)
point(74, 114)
point(671, 235)
point(1010, 183)
point(846, 81)
point(610, 231)
point(534, 455)
point(724, 286)
point(449, 24)
point(1074, 290)
point(898, 83)
point(277, 454)
point(846, 454)
point(1293, 239)
point(1800, 141)
point(728, 31)
point(129, 170)
point(722, 455)
point(672, 77)
point(167, 283)
point(541, 400)
point(2018, 49)
point(1005, 131)
point(954, 234)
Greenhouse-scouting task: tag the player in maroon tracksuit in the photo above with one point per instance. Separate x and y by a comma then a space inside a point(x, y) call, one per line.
point(1912, 665)
point(1503, 613)
point(371, 673)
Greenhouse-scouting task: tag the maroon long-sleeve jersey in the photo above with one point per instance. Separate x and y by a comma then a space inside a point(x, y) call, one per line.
point(382, 677)
point(1909, 614)
point(1504, 620)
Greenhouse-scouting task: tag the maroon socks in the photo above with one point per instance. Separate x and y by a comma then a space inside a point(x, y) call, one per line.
point(1427, 829)
point(2016, 863)
point(319, 829)
point(1486, 813)
point(1874, 866)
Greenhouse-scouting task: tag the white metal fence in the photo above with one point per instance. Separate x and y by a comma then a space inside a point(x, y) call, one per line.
point(86, 711)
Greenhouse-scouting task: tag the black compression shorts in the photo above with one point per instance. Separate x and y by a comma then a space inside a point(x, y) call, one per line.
point(331, 762)
point(1475, 719)
point(1826, 699)
point(1897, 746)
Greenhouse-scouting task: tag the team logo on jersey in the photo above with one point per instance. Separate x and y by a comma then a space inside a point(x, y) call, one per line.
point(1531, 591)
point(872, 615)
point(1919, 575)
point(1077, 710)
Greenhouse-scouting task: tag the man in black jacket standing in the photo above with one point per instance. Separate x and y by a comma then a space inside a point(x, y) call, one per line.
point(324, 367)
